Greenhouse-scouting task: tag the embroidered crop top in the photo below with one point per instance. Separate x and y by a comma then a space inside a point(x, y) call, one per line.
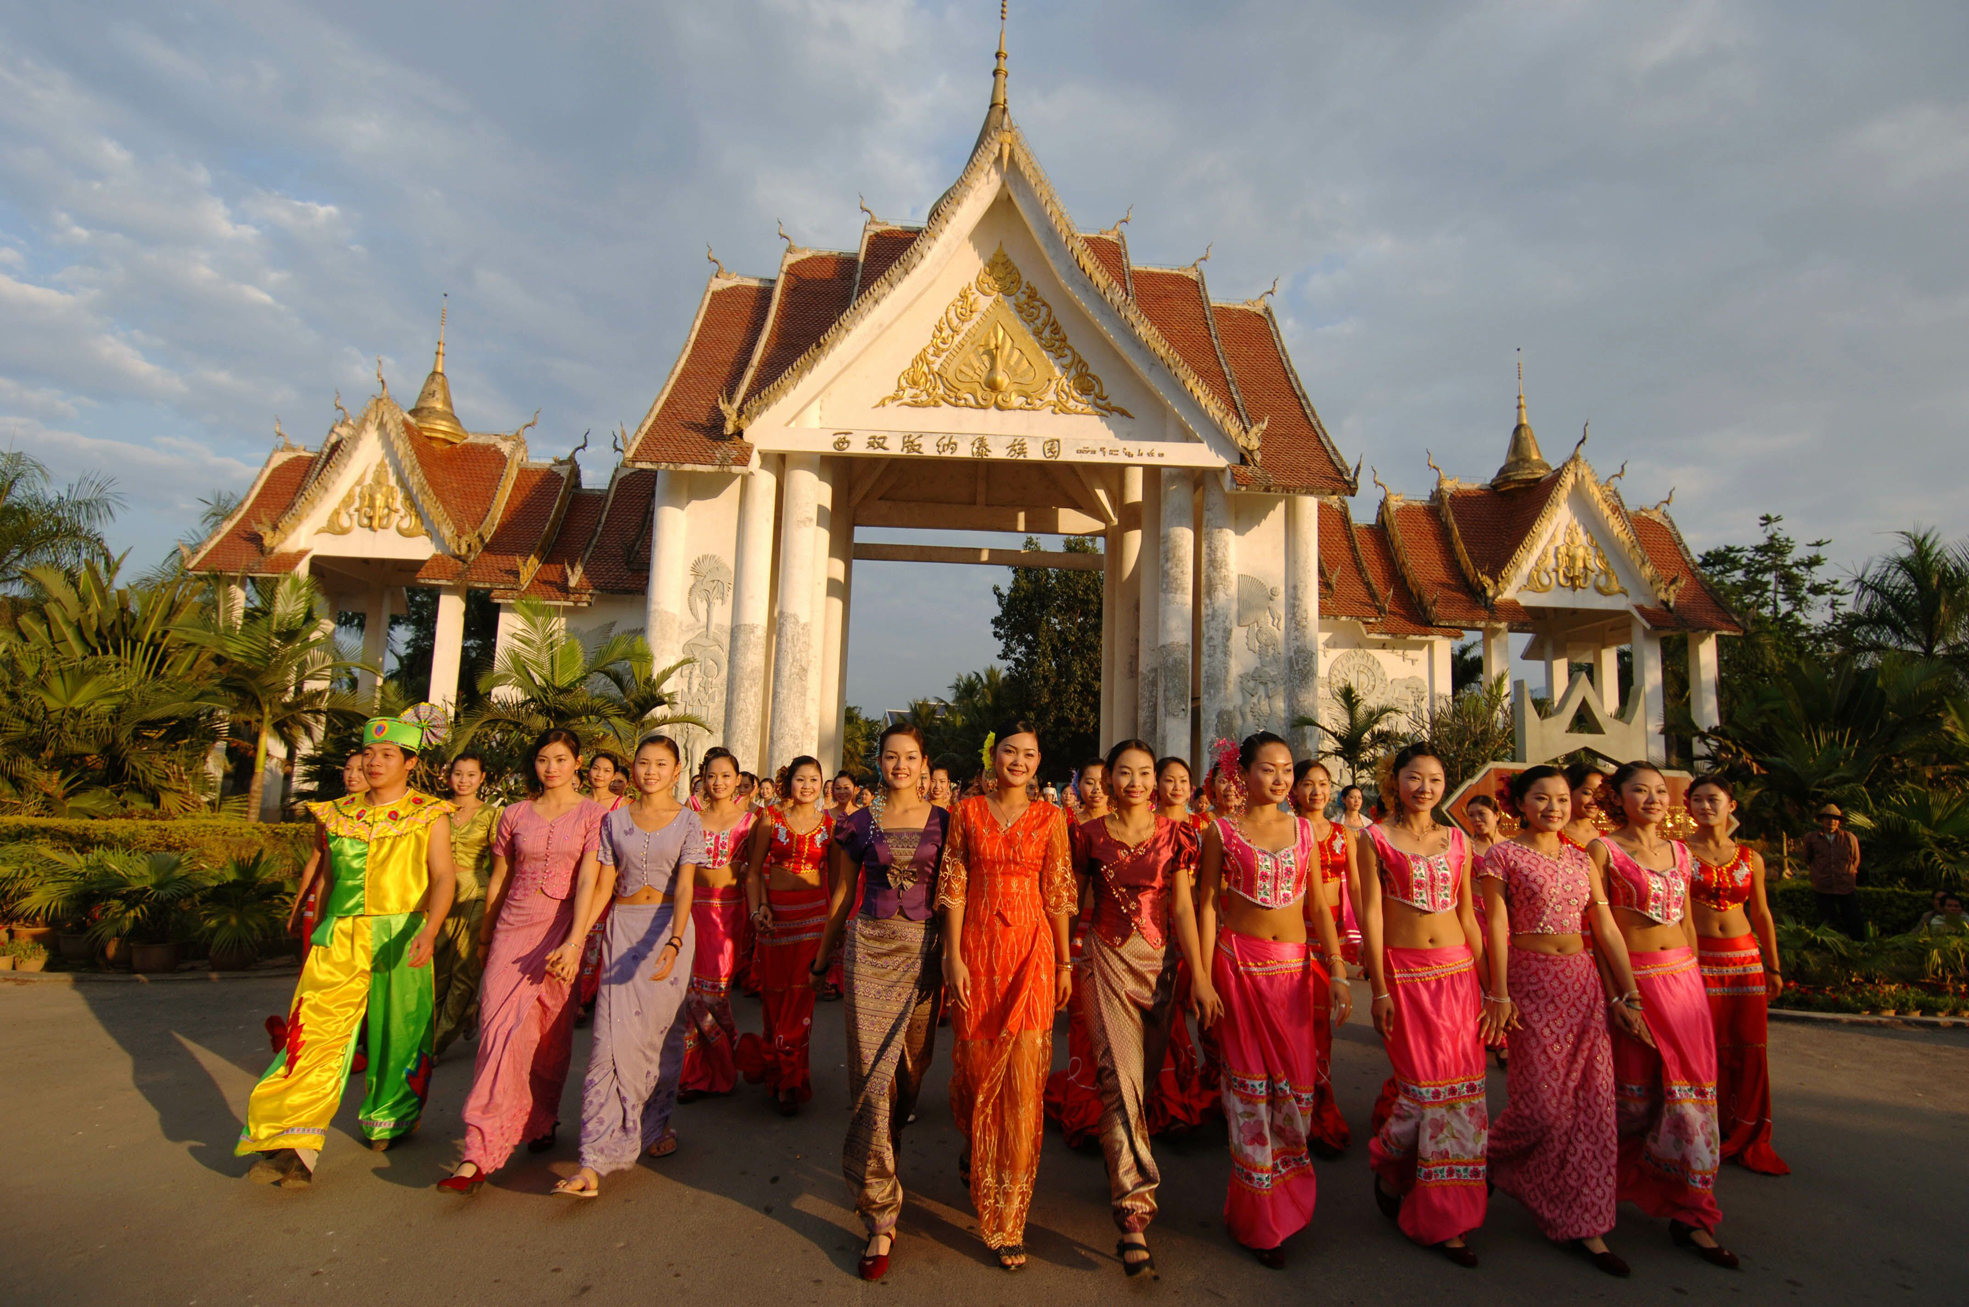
point(1427, 884)
point(543, 854)
point(1542, 896)
point(1268, 878)
point(898, 867)
point(789, 850)
point(1660, 896)
point(1721, 888)
point(1132, 884)
point(721, 846)
point(648, 859)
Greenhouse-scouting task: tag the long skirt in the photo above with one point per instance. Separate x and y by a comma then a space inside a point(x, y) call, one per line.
point(459, 964)
point(1271, 1072)
point(588, 982)
point(638, 1050)
point(360, 968)
point(1733, 976)
point(1430, 1146)
point(1188, 1089)
point(786, 993)
point(1665, 1096)
point(895, 988)
point(526, 1033)
point(1127, 997)
point(710, 1065)
point(1554, 1148)
point(998, 1067)
point(1073, 1098)
point(1330, 1135)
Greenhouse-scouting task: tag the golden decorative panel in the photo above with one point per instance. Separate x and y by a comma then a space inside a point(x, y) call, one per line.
point(998, 346)
point(1577, 562)
point(375, 504)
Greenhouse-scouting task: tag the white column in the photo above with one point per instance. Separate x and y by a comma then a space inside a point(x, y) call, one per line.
point(375, 640)
point(1110, 624)
point(448, 647)
point(668, 569)
point(1648, 687)
point(745, 680)
point(1705, 701)
point(1217, 592)
point(817, 683)
point(1558, 668)
point(791, 726)
point(1176, 605)
point(1128, 617)
point(1302, 621)
point(1442, 670)
point(1497, 653)
point(1148, 722)
point(503, 631)
point(839, 579)
point(1606, 677)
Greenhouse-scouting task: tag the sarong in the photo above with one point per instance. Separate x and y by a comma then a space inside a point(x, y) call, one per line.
point(459, 963)
point(526, 1033)
point(1266, 1039)
point(998, 1067)
point(1187, 1091)
point(1733, 977)
point(1073, 1099)
point(1665, 1097)
point(362, 969)
point(786, 994)
point(1554, 1148)
point(1430, 1147)
point(894, 991)
point(712, 1036)
point(1328, 1127)
point(638, 1052)
point(1127, 997)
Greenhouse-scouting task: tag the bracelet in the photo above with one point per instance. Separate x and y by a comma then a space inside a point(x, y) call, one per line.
point(1600, 902)
point(1063, 966)
point(820, 970)
point(1497, 998)
point(1377, 998)
point(675, 943)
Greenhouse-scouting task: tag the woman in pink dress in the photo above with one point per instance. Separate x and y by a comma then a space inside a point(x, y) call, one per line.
point(1665, 1095)
point(1422, 950)
point(1261, 878)
point(1554, 1148)
point(533, 955)
point(710, 1045)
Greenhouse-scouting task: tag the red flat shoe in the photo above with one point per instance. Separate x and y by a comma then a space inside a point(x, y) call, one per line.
point(1683, 1236)
point(875, 1266)
point(463, 1185)
point(1461, 1254)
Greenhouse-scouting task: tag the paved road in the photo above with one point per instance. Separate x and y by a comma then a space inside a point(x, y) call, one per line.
point(122, 1102)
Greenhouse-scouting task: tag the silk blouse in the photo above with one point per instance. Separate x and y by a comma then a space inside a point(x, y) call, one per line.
point(544, 853)
point(648, 859)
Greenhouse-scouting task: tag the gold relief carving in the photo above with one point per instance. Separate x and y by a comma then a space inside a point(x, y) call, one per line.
point(998, 346)
point(375, 504)
point(1578, 562)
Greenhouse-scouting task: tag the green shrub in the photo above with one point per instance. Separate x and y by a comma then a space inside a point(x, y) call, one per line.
point(24, 950)
point(213, 841)
point(1888, 911)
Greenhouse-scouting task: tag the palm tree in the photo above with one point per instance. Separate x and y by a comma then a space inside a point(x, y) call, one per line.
point(600, 684)
point(1363, 734)
point(1916, 600)
point(274, 670)
point(38, 525)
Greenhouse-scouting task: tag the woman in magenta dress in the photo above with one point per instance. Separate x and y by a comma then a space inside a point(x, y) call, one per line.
point(1738, 951)
point(1554, 1148)
point(1665, 1090)
point(1312, 790)
point(1261, 867)
point(718, 911)
point(533, 955)
point(1422, 950)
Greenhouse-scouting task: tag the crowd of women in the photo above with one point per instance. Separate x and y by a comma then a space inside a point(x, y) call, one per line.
point(1619, 973)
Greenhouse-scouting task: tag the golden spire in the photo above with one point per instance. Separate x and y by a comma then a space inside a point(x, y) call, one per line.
point(995, 115)
point(432, 413)
point(1523, 464)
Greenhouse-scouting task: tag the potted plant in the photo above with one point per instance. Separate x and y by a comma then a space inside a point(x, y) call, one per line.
point(143, 901)
point(27, 955)
point(243, 910)
point(56, 888)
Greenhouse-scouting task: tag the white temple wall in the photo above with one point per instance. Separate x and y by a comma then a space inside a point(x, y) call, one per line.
point(1246, 603)
point(1407, 673)
point(705, 569)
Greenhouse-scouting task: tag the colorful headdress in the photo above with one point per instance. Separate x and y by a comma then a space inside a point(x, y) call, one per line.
point(425, 724)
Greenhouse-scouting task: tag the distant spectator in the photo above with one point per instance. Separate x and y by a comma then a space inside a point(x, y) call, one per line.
point(1832, 861)
point(1948, 919)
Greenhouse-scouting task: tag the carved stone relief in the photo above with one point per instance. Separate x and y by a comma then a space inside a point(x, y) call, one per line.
point(702, 683)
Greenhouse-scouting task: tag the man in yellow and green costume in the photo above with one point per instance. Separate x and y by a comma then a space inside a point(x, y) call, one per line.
point(390, 886)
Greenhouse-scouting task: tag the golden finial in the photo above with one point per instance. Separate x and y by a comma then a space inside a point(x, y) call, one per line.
point(1662, 507)
point(998, 73)
point(432, 413)
point(1618, 475)
point(1521, 386)
point(379, 377)
point(1523, 463)
point(712, 255)
point(444, 308)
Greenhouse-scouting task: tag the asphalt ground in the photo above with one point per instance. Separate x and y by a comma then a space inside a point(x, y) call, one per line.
point(121, 1104)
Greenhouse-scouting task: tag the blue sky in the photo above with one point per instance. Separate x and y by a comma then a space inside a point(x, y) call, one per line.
point(1728, 233)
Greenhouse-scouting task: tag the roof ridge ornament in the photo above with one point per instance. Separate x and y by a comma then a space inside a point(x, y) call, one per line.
point(712, 255)
point(1584, 432)
point(432, 413)
point(1524, 465)
point(1608, 483)
point(1662, 507)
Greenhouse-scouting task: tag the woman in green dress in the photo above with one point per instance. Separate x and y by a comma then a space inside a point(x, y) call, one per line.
point(459, 957)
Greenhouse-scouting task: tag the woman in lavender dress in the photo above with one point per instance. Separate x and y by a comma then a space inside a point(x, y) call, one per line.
point(648, 860)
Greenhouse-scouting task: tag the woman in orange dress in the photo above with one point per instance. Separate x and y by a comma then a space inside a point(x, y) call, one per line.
point(1007, 895)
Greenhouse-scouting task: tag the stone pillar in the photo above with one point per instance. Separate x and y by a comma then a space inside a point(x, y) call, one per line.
point(1648, 687)
point(448, 647)
point(837, 583)
point(1558, 668)
point(817, 681)
point(745, 680)
point(1110, 624)
point(1148, 722)
point(1442, 671)
point(1606, 677)
point(668, 569)
point(375, 641)
point(1176, 605)
point(503, 632)
point(1217, 592)
point(1128, 616)
point(790, 729)
point(1302, 622)
point(1497, 654)
point(1705, 700)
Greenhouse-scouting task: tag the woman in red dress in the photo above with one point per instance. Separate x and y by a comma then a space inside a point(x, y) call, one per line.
point(1006, 893)
point(786, 891)
point(1312, 790)
point(718, 914)
point(1737, 949)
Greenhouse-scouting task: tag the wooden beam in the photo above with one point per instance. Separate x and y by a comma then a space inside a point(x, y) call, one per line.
point(1056, 558)
point(1102, 498)
point(876, 481)
point(1041, 520)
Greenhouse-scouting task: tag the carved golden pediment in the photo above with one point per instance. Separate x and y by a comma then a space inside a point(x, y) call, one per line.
point(1576, 561)
point(999, 346)
point(375, 503)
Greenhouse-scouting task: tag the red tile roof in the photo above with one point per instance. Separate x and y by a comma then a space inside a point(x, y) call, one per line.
point(529, 512)
point(617, 561)
point(880, 248)
point(1344, 588)
point(1110, 250)
point(239, 547)
point(685, 424)
point(1422, 547)
point(814, 290)
point(1295, 451)
point(1493, 524)
point(1404, 615)
point(1697, 607)
point(465, 477)
point(1173, 300)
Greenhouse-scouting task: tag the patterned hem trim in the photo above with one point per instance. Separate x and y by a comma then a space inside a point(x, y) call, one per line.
point(1684, 963)
point(292, 1137)
point(1442, 1091)
point(1423, 975)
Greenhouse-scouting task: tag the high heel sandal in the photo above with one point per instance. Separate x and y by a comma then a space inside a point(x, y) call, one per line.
point(873, 1266)
point(464, 1185)
point(1123, 1246)
point(1683, 1235)
point(1012, 1256)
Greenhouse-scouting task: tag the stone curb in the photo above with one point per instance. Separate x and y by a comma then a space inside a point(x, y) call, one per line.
point(131, 978)
point(1859, 1019)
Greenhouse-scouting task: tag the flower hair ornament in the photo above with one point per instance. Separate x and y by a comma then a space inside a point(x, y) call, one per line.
point(1225, 763)
point(991, 742)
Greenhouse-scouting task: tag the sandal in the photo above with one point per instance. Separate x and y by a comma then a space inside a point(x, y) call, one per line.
point(665, 1146)
point(1138, 1243)
point(273, 1167)
point(578, 1186)
point(459, 1183)
point(873, 1266)
point(1012, 1256)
